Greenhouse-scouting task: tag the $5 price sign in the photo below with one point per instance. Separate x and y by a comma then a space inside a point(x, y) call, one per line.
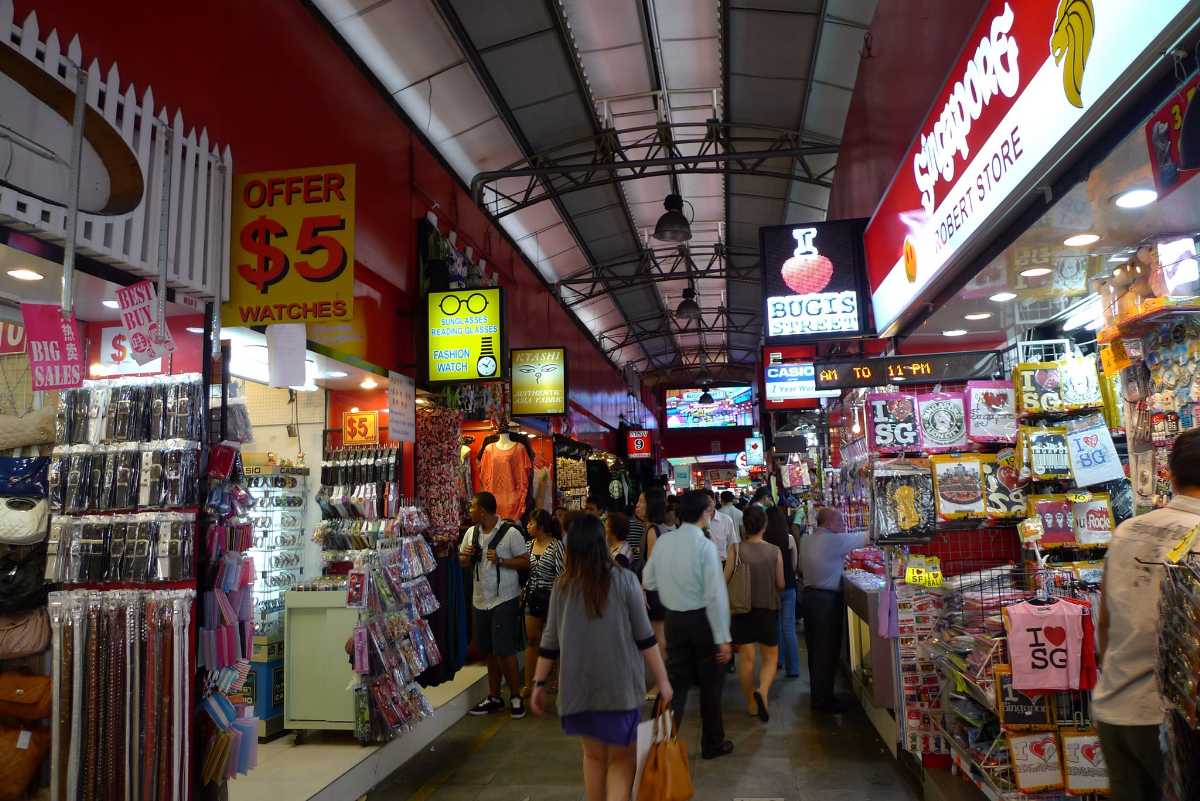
point(292, 248)
point(360, 428)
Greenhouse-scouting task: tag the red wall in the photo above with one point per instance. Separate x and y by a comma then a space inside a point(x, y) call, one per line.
point(269, 80)
point(912, 45)
point(698, 441)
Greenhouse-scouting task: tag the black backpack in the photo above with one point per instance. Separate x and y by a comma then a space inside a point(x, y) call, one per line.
point(505, 527)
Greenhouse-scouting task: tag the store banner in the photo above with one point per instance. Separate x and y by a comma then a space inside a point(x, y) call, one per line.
point(1031, 79)
point(539, 381)
point(402, 408)
point(1173, 137)
point(360, 428)
point(54, 346)
point(814, 281)
point(12, 338)
point(115, 357)
point(291, 253)
point(466, 335)
point(286, 355)
point(139, 314)
point(639, 444)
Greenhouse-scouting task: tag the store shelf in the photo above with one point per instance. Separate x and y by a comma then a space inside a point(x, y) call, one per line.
point(977, 692)
point(977, 773)
point(1154, 311)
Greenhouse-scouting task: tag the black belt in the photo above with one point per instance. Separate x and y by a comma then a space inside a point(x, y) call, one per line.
point(689, 614)
point(819, 589)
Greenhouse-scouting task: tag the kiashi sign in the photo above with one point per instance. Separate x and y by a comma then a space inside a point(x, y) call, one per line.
point(466, 335)
point(291, 254)
point(539, 381)
point(1034, 76)
point(812, 281)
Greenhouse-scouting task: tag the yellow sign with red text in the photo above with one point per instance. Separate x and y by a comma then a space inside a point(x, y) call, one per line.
point(360, 428)
point(291, 254)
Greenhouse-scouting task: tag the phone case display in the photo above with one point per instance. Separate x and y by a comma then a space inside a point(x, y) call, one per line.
point(903, 502)
point(942, 418)
point(1093, 455)
point(439, 434)
point(279, 493)
point(892, 419)
point(121, 695)
point(1177, 669)
point(108, 549)
point(1004, 498)
point(361, 483)
point(392, 643)
point(958, 486)
point(991, 411)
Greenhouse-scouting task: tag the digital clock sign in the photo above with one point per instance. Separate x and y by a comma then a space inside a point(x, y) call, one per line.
point(929, 368)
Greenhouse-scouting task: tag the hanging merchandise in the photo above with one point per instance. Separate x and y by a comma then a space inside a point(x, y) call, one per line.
point(1037, 385)
point(1047, 453)
point(1057, 519)
point(1079, 384)
point(1178, 655)
point(279, 493)
point(991, 408)
point(893, 420)
point(506, 471)
point(1084, 768)
point(1047, 645)
point(1004, 498)
point(122, 687)
point(903, 503)
point(1093, 455)
point(958, 486)
point(1093, 519)
point(943, 422)
point(439, 432)
point(1036, 761)
point(360, 483)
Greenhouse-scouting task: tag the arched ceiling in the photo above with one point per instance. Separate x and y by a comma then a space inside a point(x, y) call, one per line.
point(551, 84)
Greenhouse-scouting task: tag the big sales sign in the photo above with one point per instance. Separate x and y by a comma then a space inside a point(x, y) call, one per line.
point(292, 251)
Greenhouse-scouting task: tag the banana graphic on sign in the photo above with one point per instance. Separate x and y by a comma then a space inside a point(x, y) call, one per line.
point(1070, 44)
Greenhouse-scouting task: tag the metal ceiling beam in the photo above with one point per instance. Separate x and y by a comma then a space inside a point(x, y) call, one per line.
point(664, 149)
point(800, 124)
point(657, 265)
point(719, 321)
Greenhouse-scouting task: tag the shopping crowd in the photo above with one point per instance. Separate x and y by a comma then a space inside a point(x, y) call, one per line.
point(688, 587)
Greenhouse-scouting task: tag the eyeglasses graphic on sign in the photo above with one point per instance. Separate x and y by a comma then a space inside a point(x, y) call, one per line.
point(476, 303)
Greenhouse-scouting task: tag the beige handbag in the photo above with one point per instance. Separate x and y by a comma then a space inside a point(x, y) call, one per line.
point(24, 633)
point(35, 428)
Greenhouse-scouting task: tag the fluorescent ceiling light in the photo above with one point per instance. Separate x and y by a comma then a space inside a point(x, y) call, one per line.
point(192, 329)
point(1135, 198)
point(1036, 272)
point(977, 316)
point(368, 383)
point(25, 275)
point(1003, 297)
point(110, 304)
point(1080, 240)
point(353, 410)
point(336, 374)
point(954, 332)
point(1120, 257)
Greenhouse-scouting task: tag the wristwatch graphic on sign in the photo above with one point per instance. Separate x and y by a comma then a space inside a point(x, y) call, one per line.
point(486, 366)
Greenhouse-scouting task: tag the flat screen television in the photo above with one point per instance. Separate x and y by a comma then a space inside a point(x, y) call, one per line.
point(731, 407)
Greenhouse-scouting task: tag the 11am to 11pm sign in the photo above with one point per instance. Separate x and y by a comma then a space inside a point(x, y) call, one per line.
point(539, 381)
point(291, 254)
point(466, 335)
point(923, 369)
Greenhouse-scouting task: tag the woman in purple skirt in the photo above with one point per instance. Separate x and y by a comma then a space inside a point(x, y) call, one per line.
point(600, 634)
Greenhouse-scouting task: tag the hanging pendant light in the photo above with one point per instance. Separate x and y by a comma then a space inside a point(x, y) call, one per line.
point(673, 226)
point(688, 308)
point(706, 397)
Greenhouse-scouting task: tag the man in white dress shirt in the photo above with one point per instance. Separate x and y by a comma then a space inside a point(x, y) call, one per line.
point(732, 512)
point(721, 528)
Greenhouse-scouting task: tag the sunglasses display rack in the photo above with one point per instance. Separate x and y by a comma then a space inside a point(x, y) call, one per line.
point(280, 498)
point(121, 691)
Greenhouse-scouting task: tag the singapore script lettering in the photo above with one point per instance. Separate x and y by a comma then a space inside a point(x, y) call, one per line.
point(992, 70)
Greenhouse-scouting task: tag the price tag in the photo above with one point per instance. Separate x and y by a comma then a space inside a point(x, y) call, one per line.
point(360, 428)
point(1113, 357)
point(1183, 547)
point(1079, 497)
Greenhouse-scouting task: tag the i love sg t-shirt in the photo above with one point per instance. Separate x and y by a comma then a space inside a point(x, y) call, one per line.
point(1045, 645)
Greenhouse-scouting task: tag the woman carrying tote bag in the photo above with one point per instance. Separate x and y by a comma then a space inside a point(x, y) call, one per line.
point(595, 630)
point(756, 628)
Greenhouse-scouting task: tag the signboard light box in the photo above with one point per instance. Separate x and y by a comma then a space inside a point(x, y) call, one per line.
point(466, 335)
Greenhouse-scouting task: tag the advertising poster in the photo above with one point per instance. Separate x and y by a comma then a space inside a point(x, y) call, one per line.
point(291, 250)
point(638, 444)
point(402, 408)
point(539, 381)
point(54, 346)
point(115, 356)
point(139, 314)
point(755, 452)
point(730, 407)
point(466, 335)
point(813, 281)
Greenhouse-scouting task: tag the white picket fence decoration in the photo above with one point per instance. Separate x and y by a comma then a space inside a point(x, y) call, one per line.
point(200, 178)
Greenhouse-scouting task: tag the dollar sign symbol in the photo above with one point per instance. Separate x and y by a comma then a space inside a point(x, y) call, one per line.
point(119, 352)
point(272, 263)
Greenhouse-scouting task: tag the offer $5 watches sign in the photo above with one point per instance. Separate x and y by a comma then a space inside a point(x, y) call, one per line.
point(292, 251)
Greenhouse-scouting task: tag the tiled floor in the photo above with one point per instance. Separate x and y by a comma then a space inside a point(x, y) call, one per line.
point(796, 757)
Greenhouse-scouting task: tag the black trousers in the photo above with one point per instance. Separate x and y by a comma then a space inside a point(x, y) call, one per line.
point(1135, 762)
point(823, 638)
point(692, 659)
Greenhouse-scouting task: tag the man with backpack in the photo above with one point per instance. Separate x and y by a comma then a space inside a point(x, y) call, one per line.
point(494, 551)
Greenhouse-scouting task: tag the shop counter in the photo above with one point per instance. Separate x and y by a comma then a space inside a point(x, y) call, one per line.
point(872, 659)
point(319, 682)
